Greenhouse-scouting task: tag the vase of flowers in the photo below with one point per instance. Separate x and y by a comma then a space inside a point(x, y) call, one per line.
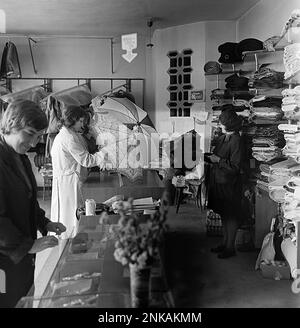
point(137, 245)
point(140, 286)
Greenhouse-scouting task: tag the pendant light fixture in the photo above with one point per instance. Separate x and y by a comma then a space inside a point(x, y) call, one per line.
point(149, 24)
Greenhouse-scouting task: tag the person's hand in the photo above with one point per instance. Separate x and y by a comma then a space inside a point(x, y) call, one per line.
point(214, 158)
point(42, 243)
point(56, 227)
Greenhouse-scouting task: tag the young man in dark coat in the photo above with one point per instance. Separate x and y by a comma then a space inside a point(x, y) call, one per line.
point(20, 215)
point(225, 186)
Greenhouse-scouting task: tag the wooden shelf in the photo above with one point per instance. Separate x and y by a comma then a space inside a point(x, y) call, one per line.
point(262, 51)
point(270, 123)
point(224, 73)
point(240, 71)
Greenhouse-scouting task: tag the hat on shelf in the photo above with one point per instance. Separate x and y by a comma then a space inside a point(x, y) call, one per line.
point(212, 67)
point(231, 120)
point(249, 45)
point(236, 82)
point(229, 53)
point(271, 43)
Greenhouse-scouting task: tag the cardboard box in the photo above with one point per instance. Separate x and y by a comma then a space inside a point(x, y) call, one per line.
point(275, 271)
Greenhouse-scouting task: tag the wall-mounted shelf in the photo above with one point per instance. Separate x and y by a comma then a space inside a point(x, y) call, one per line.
point(262, 51)
point(269, 123)
point(223, 73)
point(257, 52)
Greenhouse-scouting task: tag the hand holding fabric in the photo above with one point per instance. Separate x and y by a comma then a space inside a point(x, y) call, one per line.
point(42, 243)
point(214, 158)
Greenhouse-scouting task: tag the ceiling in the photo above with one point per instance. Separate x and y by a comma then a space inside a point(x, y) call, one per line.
point(113, 17)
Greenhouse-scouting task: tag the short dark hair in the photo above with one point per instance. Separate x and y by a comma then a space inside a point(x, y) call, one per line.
point(21, 113)
point(71, 115)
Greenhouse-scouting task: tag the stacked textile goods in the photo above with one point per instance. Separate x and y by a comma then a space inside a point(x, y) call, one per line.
point(236, 94)
point(263, 179)
point(291, 199)
point(292, 137)
point(291, 103)
point(266, 143)
point(291, 60)
point(279, 177)
point(240, 106)
point(266, 77)
point(266, 109)
point(284, 188)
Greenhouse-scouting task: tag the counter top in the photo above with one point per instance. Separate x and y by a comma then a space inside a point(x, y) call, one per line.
point(102, 186)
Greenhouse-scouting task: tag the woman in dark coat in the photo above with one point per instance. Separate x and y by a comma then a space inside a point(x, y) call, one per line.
point(224, 195)
point(20, 215)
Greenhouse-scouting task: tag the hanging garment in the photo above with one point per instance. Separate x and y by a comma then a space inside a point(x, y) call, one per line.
point(70, 160)
point(10, 65)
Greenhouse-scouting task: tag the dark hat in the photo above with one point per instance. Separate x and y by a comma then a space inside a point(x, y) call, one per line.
point(249, 45)
point(229, 53)
point(230, 120)
point(212, 67)
point(236, 82)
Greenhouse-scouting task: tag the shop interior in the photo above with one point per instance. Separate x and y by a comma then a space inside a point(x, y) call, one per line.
point(167, 68)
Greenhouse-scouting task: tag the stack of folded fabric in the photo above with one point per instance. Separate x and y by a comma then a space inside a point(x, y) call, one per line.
point(291, 103)
point(291, 206)
point(266, 154)
point(269, 92)
point(266, 77)
point(292, 138)
point(263, 177)
point(266, 109)
point(291, 60)
point(235, 82)
point(279, 176)
point(262, 131)
point(267, 142)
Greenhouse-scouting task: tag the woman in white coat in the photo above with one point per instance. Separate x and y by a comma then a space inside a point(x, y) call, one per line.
point(70, 160)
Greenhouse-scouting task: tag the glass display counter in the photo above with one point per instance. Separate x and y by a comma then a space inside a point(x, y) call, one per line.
point(82, 272)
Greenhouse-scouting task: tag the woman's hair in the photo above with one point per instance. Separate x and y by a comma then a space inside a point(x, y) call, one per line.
point(231, 120)
point(71, 115)
point(23, 113)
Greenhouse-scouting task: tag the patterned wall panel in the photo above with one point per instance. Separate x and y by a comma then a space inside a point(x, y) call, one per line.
point(180, 82)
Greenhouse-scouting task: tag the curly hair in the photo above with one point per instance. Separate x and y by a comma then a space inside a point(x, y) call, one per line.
point(71, 115)
point(23, 113)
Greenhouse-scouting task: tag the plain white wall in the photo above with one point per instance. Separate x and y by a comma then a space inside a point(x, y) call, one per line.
point(190, 36)
point(265, 19)
point(78, 58)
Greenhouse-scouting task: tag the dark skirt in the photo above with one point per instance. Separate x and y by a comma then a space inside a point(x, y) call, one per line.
point(225, 199)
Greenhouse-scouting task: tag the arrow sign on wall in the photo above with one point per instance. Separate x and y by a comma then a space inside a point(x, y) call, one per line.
point(129, 42)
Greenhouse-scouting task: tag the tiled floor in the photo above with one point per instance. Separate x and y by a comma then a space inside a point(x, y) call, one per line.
point(199, 279)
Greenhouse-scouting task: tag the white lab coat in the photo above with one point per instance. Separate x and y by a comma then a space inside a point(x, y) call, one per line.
point(70, 160)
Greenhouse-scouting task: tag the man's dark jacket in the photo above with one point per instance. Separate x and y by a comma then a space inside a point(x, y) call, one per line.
point(20, 218)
